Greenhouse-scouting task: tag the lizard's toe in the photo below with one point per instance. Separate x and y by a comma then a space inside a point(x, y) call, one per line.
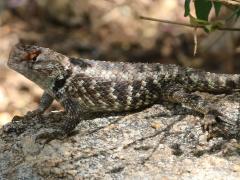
point(208, 122)
point(16, 126)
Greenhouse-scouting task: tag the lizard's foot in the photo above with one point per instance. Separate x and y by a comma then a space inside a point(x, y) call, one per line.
point(20, 124)
point(47, 135)
point(208, 122)
point(63, 131)
point(16, 126)
point(36, 112)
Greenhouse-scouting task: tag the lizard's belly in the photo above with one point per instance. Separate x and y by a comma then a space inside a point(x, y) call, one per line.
point(115, 96)
point(105, 105)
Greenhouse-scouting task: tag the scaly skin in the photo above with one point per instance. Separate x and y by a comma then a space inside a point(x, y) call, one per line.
point(91, 88)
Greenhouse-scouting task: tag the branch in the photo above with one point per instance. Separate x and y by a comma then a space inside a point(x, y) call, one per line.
point(186, 24)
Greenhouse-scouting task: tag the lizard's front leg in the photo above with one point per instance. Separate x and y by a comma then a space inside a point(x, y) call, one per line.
point(178, 94)
point(72, 117)
point(45, 102)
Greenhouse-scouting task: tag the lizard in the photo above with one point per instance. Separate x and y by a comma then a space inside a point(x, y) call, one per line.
point(89, 88)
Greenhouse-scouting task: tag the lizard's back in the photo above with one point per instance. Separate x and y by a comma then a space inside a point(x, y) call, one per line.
point(105, 86)
point(108, 86)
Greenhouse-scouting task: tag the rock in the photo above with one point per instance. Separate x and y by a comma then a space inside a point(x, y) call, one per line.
point(164, 141)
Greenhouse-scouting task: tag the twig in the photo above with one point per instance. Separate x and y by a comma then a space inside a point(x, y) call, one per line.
point(186, 24)
point(195, 41)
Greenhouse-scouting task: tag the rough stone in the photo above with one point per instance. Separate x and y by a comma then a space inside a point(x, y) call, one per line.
point(164, 141)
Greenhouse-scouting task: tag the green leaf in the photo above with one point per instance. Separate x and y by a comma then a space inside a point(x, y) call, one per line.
point(202, 8)
point(187, 7)
point(217, 7)
point(237, 13)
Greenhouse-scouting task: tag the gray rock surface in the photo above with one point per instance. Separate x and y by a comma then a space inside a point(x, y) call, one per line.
point(164, 141)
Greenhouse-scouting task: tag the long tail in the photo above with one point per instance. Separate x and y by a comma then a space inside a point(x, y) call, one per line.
point(197, 80)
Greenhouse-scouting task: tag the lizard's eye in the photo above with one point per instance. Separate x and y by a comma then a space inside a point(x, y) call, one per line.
point(33, 55)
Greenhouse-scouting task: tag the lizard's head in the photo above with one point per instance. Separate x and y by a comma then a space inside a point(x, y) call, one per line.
point(41, 65)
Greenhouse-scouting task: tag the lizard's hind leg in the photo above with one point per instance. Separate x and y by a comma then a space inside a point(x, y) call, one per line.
point(178, 94)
